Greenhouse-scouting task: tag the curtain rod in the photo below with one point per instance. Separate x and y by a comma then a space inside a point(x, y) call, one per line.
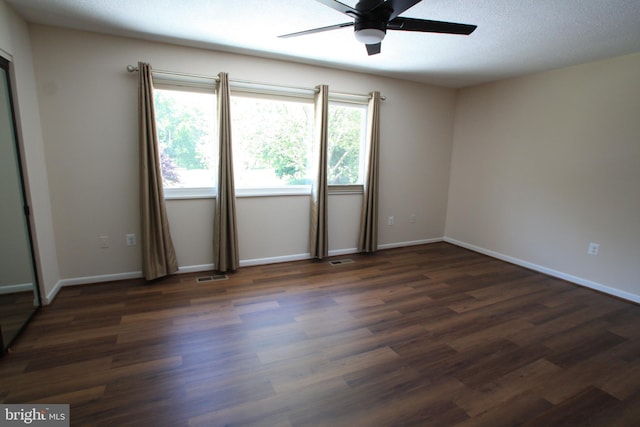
point(132, 69)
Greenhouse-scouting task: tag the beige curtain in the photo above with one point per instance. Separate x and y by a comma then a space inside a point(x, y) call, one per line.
point(225, 233)
point(319, 239)
point(158, 255)
point(368, 241)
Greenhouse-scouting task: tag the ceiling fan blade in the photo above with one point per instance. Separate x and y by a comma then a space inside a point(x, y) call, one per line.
point(317, 30)
point(428, 26)
point(399, 6)
point(373, 49)
point(340, 7)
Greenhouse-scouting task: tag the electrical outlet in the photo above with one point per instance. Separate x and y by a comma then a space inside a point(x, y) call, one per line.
point(390, 221)
point(131, 240)
point(104, 242)
point(593, 248)
point(412, 219)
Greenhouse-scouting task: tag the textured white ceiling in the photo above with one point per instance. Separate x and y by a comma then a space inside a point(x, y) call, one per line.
point(514, 37)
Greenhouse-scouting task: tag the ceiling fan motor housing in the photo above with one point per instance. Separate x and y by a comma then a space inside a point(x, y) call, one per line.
point(367, 23)
point(373, 20)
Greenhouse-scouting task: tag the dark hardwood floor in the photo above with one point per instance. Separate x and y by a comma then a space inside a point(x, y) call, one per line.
point(430, 335)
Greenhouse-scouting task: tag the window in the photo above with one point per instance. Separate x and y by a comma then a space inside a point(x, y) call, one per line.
point(185, 122)
point(272, 142)
point(346, 148)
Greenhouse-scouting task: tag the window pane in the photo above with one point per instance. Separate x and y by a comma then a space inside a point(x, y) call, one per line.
point(347, 130)
point(272, 142)
point(186, 127)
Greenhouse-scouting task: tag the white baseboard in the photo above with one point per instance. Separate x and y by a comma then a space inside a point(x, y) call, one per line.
point(274, 260)
point(410, 243)
point(88, 280)
point(208, 267)
point(196, 268)
point(347, 251)
point(336, 252)
point(548, 271)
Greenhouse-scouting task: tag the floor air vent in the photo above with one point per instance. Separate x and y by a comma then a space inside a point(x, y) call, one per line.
point(341, 261)
point(214, 278)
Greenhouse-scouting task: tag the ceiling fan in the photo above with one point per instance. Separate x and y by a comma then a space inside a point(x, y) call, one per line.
point(372, 19)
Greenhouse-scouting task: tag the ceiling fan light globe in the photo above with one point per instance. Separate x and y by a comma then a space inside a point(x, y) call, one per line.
point(369, 35)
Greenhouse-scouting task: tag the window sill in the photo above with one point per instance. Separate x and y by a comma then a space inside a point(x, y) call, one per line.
point(297, 190)
point(293, 190)
point(189, 193)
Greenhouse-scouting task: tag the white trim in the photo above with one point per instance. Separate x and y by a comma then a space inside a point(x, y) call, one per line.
point(289, 190)
point(296, 257)
point(196, 268)
point(274, 260)
point(346, 251)
point(208, 267)
point(101, 278)
point(13, 289)
point(170, 80)
point(179, 78)
point(410, 243)
point(335, 252)
point(244, 86)
point(47, 299)
point(189, 193)
point(6, 55)
point(210, 193)
point(349, 98)
point(548, 271)
point(89, 280)
point(186, 269)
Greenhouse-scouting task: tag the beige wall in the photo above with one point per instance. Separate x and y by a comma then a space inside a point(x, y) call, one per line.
point(15, 41)
point(88, 105)
point(542, 165)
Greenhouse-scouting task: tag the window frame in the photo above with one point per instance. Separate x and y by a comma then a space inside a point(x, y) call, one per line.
point(253, 90)
point(272, 95)
point(357, 187)
point(197, 85)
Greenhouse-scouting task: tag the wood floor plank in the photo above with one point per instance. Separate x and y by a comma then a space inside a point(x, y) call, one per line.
point(516, 411)
point(411, 405)
point(623, 414)
point(571, 381)
point(575, 411)
point(622, 384)
point(430, 335)
point(500, 390)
